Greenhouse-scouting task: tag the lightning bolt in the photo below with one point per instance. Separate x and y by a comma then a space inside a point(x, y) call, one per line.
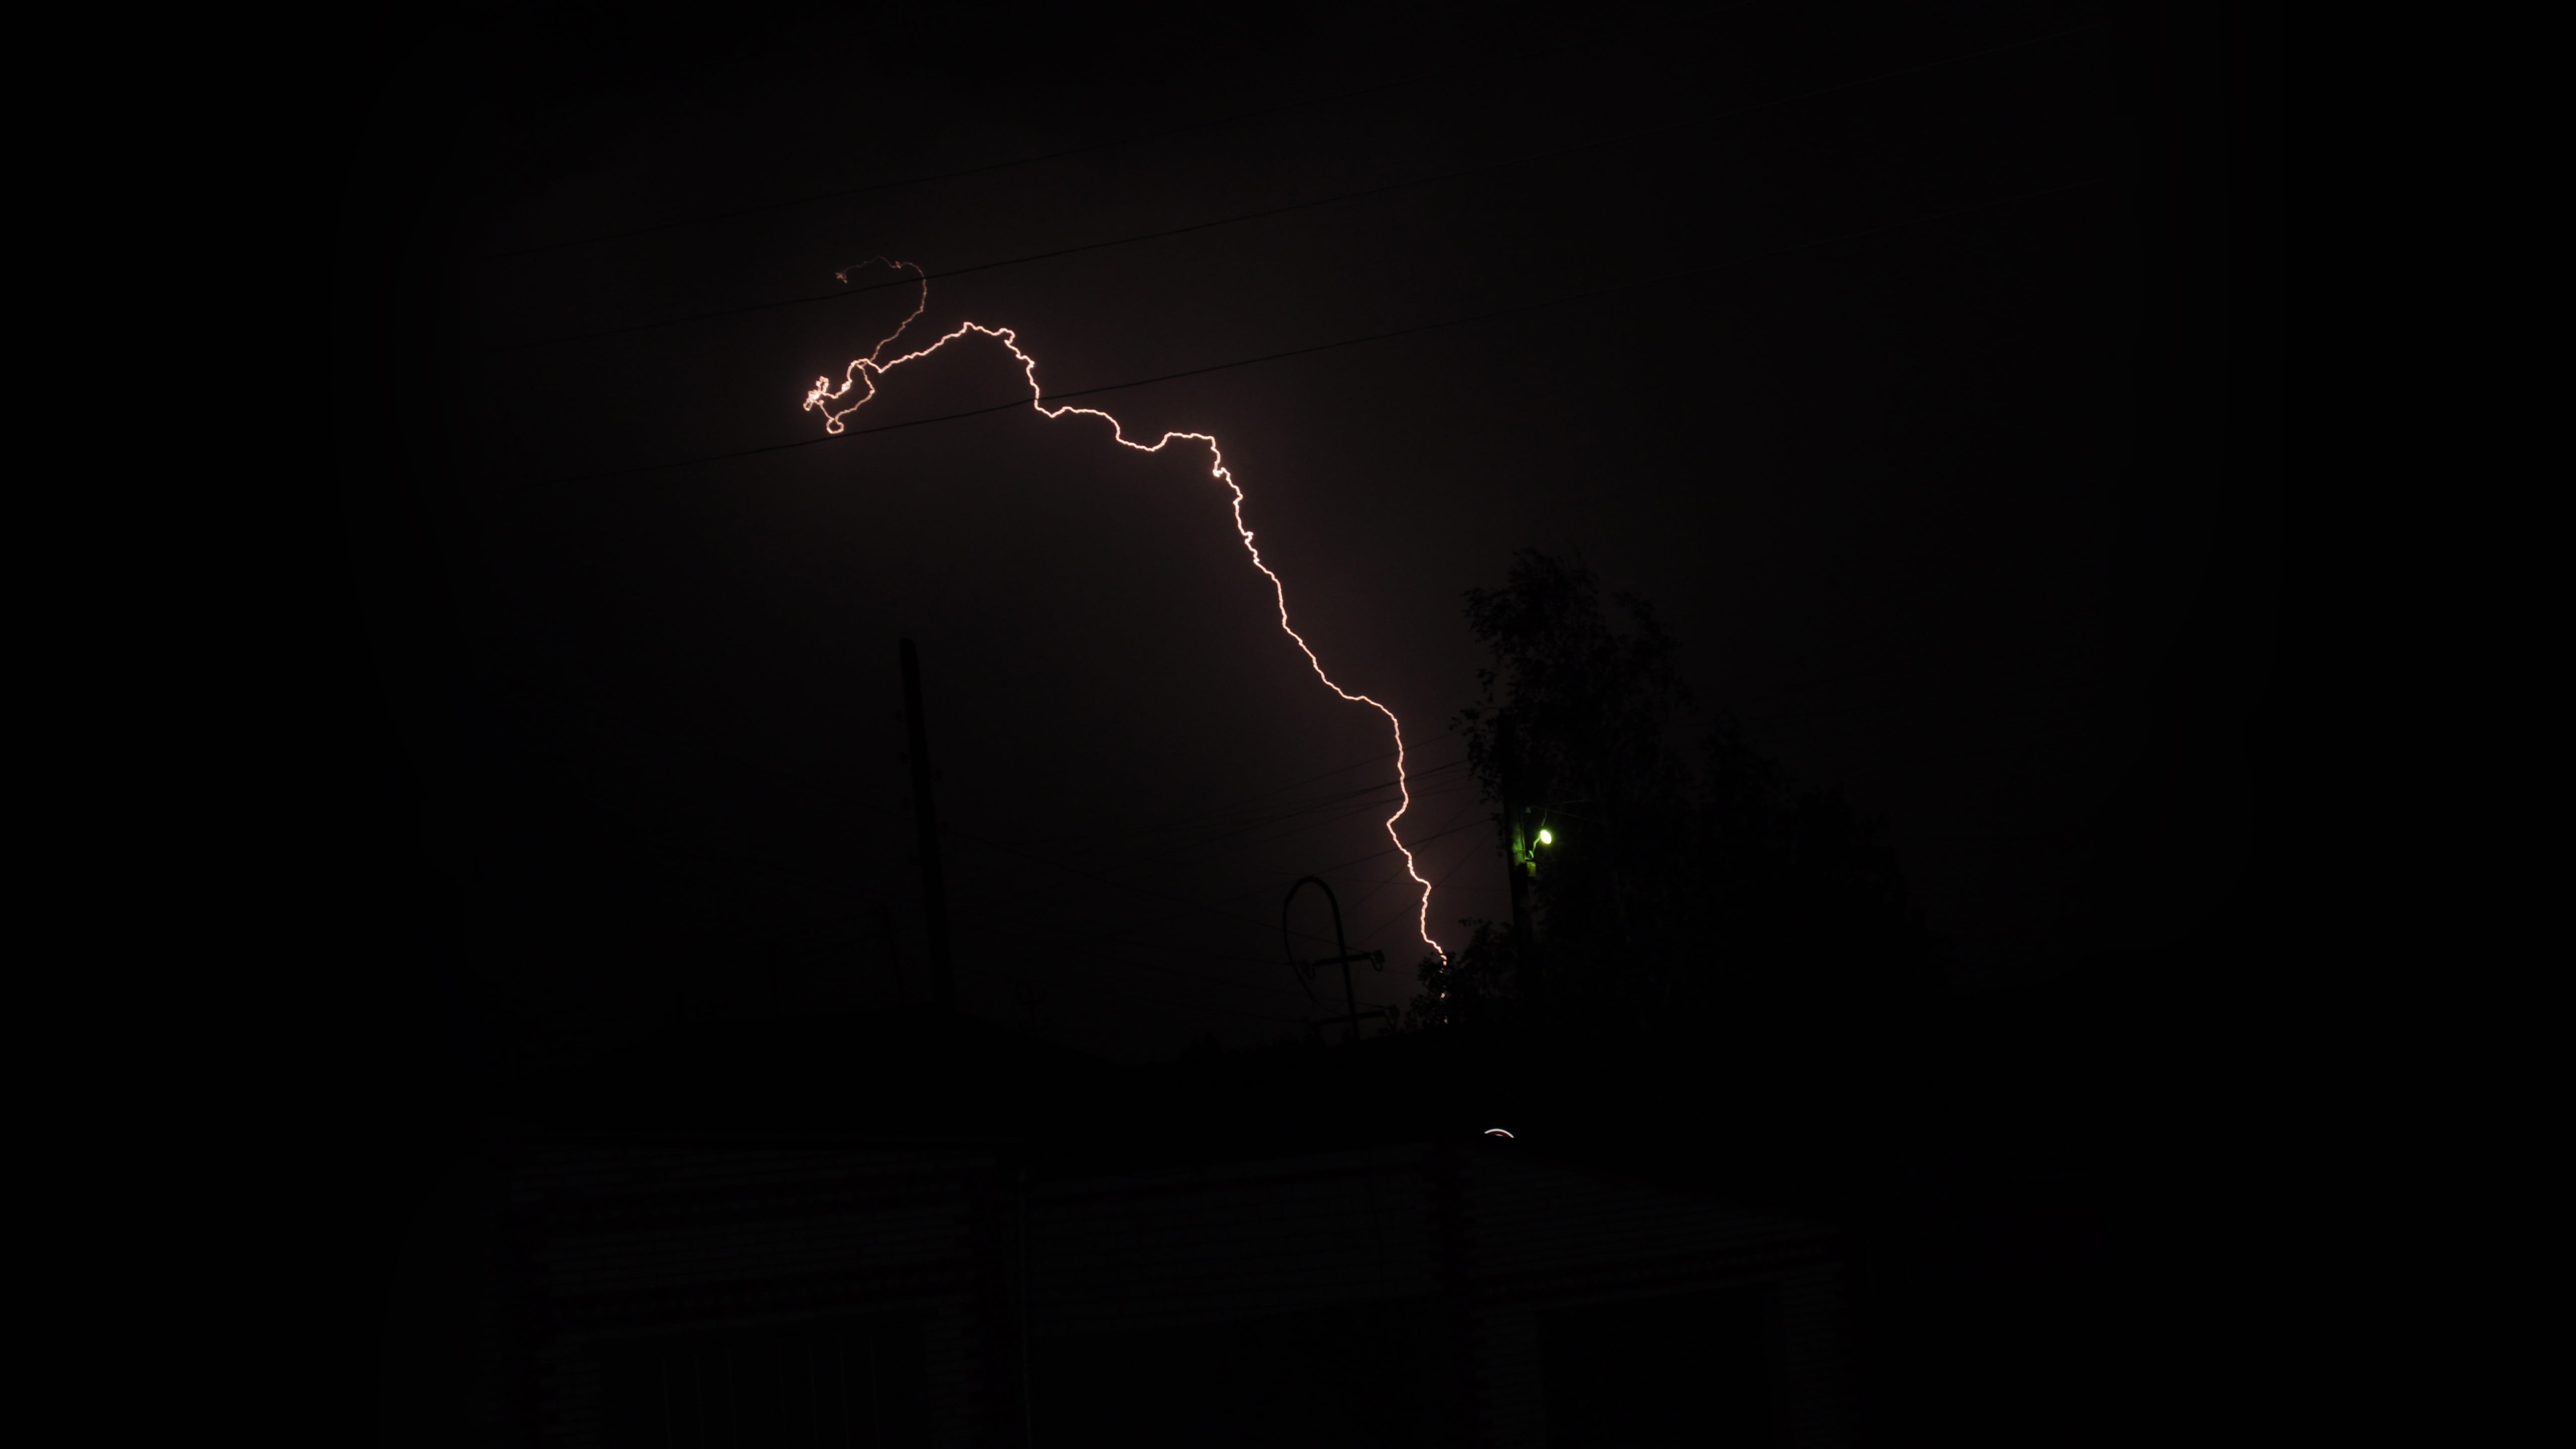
point(836, 403)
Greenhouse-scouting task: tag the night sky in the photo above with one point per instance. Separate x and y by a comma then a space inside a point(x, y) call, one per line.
point(1900, 354)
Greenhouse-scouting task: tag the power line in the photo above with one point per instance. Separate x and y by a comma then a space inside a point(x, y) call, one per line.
point(1215, 910)
point(1372, 855)
point(1132, 889)
point(1463, 863)
point(1190, 908)
point(1388, 188)
point(1388, 335)
point(1229, 815)
point(1343, 808)
point(1093, 952)
point(1133, 239)
point(1382, 854)
point(1352, 813)
point(826, 889)
point(1384, 924)
point(1414, 83)
point(1448, 827)
point(697, 839)
point(704, 742)
point(985, 913)
point(1029, 848)
point(1232, 808)
point(1228, 821)
point(1149, 857)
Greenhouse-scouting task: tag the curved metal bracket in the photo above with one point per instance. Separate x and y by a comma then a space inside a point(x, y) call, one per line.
point(1342, 957)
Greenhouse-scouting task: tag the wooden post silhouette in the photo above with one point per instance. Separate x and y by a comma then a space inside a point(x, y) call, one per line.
point(1516, 848)
point(934, 885)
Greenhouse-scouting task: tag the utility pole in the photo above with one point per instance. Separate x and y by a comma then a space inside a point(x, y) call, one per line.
point(1520, 853)
point(894, 956)
point(1350, 994)
point(1517, 849)
point(934, 885)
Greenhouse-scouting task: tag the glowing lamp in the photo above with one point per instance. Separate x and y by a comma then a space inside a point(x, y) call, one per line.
point(1546, 837)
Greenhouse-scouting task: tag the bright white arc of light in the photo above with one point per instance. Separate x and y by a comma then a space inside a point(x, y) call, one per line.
point(862, 373)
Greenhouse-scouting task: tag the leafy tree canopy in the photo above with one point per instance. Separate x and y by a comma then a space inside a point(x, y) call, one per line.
point(1683, 879)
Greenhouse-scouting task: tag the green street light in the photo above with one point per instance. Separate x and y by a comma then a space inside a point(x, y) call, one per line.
point(1546, 837)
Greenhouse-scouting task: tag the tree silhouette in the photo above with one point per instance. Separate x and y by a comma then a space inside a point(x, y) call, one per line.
point(1681, 878)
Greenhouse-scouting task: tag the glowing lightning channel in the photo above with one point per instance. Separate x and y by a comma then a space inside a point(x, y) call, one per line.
point(863, 372)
